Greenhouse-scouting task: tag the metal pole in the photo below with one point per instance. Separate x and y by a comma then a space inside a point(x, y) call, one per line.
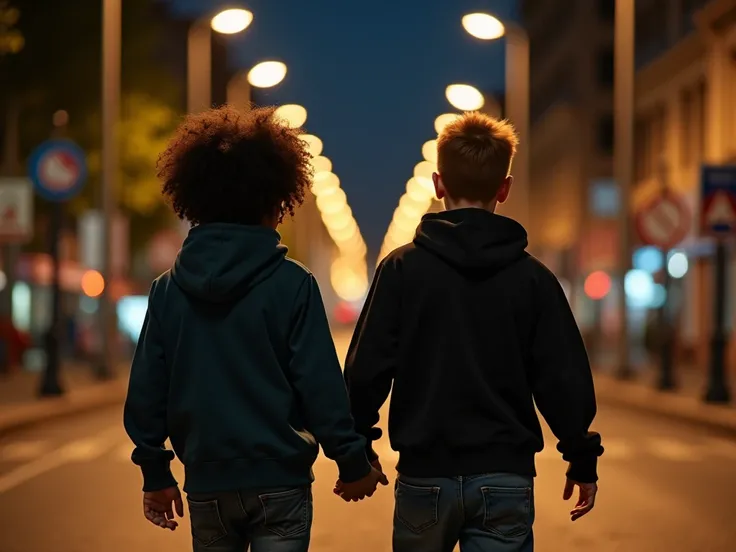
point(239, 91)
point(666, 342)
point(111, 60)
point(517, 110)
point(199, 67)
point(624, 159)
point(718, 391)
point(50, 384)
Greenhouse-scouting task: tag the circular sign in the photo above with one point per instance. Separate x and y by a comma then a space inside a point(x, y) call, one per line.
point(58, 170)
point(663, 222)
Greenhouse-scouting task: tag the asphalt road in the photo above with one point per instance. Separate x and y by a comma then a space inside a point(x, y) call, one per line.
point(69, 486)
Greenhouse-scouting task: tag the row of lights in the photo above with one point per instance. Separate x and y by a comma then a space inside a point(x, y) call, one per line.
point(349, 271)
point(418, 197)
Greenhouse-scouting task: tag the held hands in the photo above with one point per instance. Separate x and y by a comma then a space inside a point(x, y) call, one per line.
point(362, 488)
point(586, 499)
point(159, 507)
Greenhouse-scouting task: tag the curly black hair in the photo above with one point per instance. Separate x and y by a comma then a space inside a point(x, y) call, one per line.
point(224, 165)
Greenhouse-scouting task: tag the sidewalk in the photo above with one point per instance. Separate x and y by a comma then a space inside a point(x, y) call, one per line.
point(20, 404)
point(684, 403)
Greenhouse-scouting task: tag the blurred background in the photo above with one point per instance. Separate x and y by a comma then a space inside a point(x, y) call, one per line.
point(625, 181)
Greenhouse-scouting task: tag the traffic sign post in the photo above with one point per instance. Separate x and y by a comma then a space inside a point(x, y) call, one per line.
point(664, 222)
point(58, 171)
point(718, 220)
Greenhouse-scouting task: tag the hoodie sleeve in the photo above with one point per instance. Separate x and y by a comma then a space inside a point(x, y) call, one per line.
point(371, 361)
point(145, 407)
point(316, 376)
point(562, 381)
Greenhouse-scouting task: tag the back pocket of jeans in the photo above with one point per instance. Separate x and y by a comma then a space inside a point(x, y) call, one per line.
point(207, 526)
point(508, 510)
point(416, 507)
point(287, 513)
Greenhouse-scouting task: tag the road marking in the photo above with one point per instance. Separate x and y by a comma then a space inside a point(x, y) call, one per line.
point(670, 449)
point(76, 451)
point(23, 450)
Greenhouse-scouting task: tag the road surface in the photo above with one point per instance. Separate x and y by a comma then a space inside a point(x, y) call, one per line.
point(69, 486)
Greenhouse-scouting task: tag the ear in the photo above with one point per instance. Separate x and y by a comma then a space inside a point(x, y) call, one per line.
point(505, 189)
point(439, 187)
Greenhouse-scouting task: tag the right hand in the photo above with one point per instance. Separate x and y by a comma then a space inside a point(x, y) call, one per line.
point(586, 499)
point(362, 488)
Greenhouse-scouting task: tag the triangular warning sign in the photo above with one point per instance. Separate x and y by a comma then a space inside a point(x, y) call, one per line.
point(720, 212)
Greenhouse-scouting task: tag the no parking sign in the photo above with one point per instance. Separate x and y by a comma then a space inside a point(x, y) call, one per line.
point(58, 170)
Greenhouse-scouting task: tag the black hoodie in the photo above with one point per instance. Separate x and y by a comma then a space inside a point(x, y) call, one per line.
point(471, 331)
point(236, 365)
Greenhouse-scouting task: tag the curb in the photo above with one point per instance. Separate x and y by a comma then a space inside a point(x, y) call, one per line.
point(77, 402)
point(671, 405)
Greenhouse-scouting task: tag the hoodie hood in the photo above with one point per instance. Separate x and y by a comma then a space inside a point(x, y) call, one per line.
point(472, 239)
point(223, 262)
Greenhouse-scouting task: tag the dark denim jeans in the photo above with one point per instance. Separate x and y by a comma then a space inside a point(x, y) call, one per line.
point(484, 513)
point(277, 520)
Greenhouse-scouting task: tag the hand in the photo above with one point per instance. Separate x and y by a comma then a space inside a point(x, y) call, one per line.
point(586, 500)
point(362, 488)
point(159, 507)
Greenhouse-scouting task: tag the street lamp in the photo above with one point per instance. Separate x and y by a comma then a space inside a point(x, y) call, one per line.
point(464, 97)
point(199, 47)
point(484, 26)
point(267, 74)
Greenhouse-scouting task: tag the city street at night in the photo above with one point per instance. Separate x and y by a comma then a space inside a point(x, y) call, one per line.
point(69, 486)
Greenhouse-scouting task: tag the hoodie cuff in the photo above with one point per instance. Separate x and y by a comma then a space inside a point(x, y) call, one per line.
point(354, 467)
point(583, 470)
point(157, 477)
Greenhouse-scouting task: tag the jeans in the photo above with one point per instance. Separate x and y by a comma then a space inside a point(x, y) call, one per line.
point(484, 513)
point(278, 520)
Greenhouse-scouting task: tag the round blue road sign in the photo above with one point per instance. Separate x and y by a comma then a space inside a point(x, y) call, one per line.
point(58, 170)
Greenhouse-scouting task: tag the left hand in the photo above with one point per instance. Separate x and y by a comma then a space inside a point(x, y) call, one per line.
point(376, 464)
point(159, 507)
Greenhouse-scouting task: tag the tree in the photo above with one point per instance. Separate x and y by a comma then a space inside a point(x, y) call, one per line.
point(145, 128)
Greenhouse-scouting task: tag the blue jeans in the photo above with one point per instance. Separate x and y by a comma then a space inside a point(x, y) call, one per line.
point(278, 520)
point(484, 513)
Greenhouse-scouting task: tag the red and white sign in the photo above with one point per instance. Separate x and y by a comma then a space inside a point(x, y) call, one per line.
point(16, 210)
point(664, 222)
point(59, 170)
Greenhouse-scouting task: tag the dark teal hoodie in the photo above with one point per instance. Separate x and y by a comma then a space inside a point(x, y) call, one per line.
point(236, 366)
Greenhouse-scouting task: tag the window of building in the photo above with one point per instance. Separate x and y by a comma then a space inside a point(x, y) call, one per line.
point(605, 68)
point(605, 134)
point(607, 10)
point(641, 149)
point(701, 95)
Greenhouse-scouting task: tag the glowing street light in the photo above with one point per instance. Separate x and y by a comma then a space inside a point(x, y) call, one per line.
point(465, 97)
point(443, 120)
point(429, 151)
point(483, 26)
point(321, 164)
point(314, 144)
point(199, 53)
point(294, 115)
point(267, 74)
point(231, 21)
point(324, 183)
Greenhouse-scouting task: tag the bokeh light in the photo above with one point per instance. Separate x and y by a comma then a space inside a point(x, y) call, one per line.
point(267, 74)
point(231, 21)
point(464, 97)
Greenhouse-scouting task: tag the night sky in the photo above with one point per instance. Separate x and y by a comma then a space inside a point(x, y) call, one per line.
point(372, 75)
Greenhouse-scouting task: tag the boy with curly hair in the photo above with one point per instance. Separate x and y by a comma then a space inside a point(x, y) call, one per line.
point(235, 364)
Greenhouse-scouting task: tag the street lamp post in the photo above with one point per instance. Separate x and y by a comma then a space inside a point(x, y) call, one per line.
point(111, 61)
point(266, 74)
point(199, 53)
point(625, 71)
point(487, 27)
